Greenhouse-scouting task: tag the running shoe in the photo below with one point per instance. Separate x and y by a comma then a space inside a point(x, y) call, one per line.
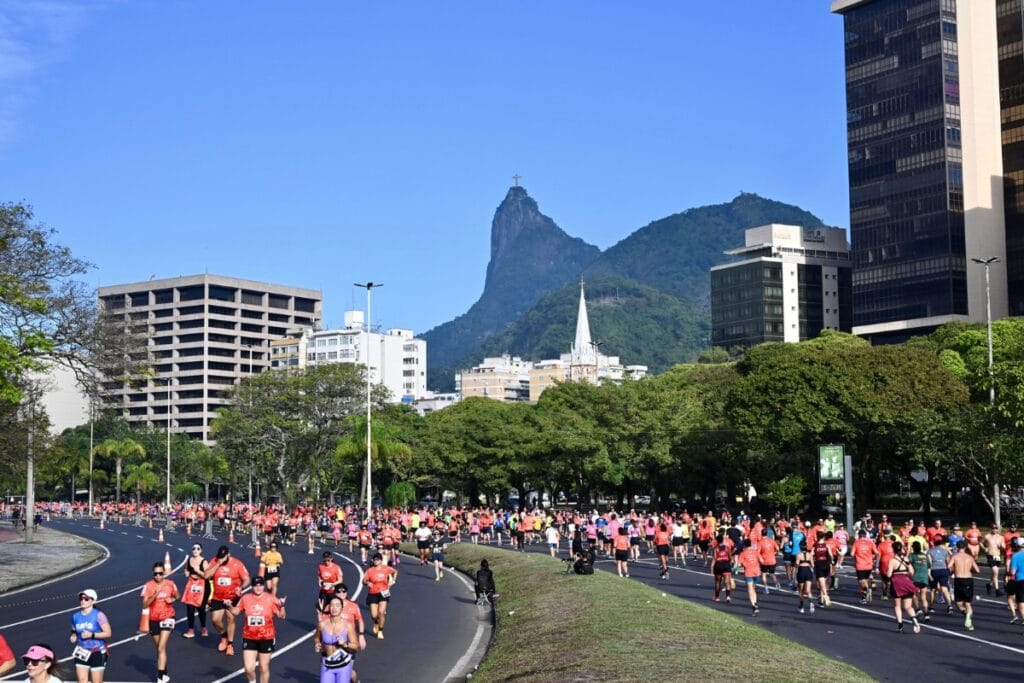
point(204, 633)
point(801, 610)
point(380, 635)
point(376, 629)
point(437, 578)
point(870, 594)
point(766, 589)
point(728, 599)
point(828, 601)
point(917, 626)
point(927, 618)
point(899, 627)
point(968, 624)
point(1015, 620)
point(222, 645)
point(230, 651)
point(754, 613)
point(189, 634)
point(627, 576)
point(442, 574)
point(812, 608)
point(715, 599)
point(949, 609)
point(863, 601)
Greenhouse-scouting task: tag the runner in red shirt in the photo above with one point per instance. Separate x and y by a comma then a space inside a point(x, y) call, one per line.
point(750, 560)
point(258, 631)
point(379, 580)
point(230, 578)
point(330, 577)
point(158, 597)
point(365, 539)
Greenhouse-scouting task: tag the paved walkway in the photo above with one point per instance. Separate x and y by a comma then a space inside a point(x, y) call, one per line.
point(52, 553)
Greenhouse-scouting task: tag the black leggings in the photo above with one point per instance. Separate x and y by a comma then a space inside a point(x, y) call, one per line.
point(192, 615)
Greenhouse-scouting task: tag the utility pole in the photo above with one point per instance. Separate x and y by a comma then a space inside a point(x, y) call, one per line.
point(997, 494)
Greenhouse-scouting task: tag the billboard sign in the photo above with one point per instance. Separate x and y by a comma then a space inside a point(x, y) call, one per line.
point(831, 468)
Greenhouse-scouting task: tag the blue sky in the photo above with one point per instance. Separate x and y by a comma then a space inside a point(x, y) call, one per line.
point(320, 144)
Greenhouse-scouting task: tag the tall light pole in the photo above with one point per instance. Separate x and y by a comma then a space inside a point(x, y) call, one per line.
point(369, 466)
point(91, 419)
point(249, 346)
point(991, 384)
point(168, 380)
point(30, 480)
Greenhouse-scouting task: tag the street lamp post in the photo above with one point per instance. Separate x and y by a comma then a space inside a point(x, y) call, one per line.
point(369, 465)
point(91, 419)
point(168, 380)
point(249, 346)
point(991, 384)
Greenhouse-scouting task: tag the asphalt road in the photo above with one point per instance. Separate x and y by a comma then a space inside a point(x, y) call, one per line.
point(862, 635)
point(415, 649)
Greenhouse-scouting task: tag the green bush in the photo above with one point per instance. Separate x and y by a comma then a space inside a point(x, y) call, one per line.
point(400, 494)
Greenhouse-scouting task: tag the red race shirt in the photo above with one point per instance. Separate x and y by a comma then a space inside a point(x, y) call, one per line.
point(159, 609)
point(378, 578)
point(350, 611)
point(329, 575)
point(259, 611)
point(228, 579)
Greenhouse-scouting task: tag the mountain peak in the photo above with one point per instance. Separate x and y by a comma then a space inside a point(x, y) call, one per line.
point(517, 211)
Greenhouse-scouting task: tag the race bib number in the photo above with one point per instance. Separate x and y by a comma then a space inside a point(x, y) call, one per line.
point(167, 623)
point(385, 594)
point(223, 580)
point(195, 588)
point(81, 654)
point(256, 621)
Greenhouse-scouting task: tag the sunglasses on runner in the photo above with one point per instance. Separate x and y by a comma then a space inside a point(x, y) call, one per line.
point(32, 662)
point(158, 573)
point(85, 597)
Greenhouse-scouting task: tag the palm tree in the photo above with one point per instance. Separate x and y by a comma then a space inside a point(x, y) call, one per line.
point(383, 446)
point(142, 478)
point(211, 467)
point(119, 449)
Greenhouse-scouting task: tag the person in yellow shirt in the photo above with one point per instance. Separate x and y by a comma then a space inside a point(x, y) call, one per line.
point(270, 567)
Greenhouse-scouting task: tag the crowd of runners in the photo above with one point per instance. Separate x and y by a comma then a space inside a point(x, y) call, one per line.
point(921, 569)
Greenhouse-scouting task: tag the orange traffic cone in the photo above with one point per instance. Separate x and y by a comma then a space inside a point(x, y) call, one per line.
point(144, 621)
point(150, 522)
point(167, 562)
point(258, 551)
point(160, 538)
point(231, 535)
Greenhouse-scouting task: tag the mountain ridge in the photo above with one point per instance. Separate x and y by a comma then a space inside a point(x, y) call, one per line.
point(664, 266)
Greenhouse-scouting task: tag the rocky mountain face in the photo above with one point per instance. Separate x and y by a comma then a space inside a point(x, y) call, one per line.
point(648, 296)
point(530, 256)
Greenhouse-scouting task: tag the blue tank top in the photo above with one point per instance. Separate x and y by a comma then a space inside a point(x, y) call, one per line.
point(93, 622)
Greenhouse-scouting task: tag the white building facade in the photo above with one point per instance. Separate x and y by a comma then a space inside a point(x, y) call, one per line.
point(396, 358)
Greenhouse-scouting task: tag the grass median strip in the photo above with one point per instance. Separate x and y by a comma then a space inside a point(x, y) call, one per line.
point(554, 627)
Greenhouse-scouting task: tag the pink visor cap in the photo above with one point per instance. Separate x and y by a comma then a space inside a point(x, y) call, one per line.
point(39, 652)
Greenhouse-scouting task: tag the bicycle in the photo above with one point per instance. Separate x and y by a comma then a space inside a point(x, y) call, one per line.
point(487, 599)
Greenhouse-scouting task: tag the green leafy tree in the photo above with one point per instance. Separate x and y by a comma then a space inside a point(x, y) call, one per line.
point(119, 450)
point(141, 477)
point(788, 492)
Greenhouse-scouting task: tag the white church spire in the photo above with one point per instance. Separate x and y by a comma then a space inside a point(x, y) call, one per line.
point(583, 347)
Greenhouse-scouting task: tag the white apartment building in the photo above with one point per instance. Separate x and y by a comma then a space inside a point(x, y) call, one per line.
point(395, 357)
point(204, 332)
point(503, 378)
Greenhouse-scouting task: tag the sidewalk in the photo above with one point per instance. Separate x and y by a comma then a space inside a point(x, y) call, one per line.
point(53, 553)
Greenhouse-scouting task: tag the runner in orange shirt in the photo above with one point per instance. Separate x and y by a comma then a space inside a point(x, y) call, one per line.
point(621, 543)
point(158, 597)
point(768, 551)
point(864, 554)
point(662, 545)
point(885, 553)
point(230, 578)
point(379, 580)
point(365, 539)
point(260, 608)
point(750, 560)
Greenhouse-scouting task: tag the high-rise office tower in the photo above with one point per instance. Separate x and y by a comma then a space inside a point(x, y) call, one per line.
point(201, 333)
point(925, 163)
point(1010, 35)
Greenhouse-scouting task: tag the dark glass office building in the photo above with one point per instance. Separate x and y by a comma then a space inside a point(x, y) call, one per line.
point(924, 163)
point(1010, 30)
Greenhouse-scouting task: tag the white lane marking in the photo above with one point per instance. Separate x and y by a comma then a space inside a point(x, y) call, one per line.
point(106, 556)
point(859, 608)
point(301, 639)
point(75, 609)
